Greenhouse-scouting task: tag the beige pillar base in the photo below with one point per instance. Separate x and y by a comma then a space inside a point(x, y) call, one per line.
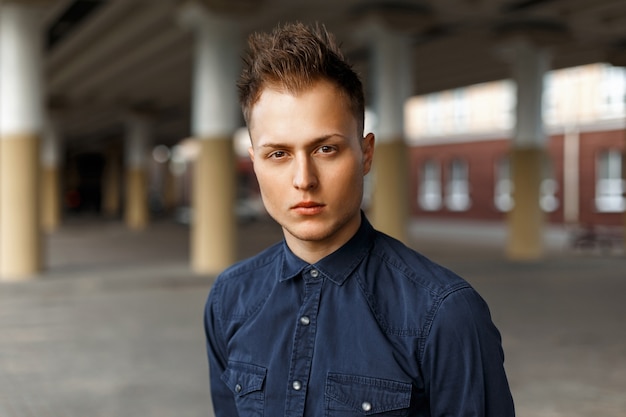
point(50, 199)
point(213, 227)
point(526, 219)
point(390, 202)
point(20, 237)
point(136, 211)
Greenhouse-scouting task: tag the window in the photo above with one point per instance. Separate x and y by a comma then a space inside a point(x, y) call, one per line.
point(503, 192)
point(550, 98)
point(509, 105)
point(457, 187)
point(610, 186)
point(461, 110)
point(613, 91)
point(547, 198)
point(434, 112)
point(429, 193)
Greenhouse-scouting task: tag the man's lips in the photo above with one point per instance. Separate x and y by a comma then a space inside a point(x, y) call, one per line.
point(308, 207)
point(307, 204)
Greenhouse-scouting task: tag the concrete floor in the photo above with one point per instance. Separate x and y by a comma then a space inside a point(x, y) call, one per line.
point(114, 327)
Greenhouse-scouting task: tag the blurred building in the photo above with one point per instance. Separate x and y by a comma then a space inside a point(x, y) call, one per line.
point(127, 109)
point(460, 144)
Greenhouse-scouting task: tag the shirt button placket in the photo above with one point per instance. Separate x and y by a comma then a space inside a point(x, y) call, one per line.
point(303, 345)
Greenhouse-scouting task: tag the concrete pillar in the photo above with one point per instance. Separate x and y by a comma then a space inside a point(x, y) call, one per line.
point(50, 178)
point(111, 180)
point(21, 124)
point(215, 118)
point(135, 153)
point(391, 67)
point(528, 152)
point(571, 175)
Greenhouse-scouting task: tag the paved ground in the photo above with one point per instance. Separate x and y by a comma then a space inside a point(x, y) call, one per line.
point(114, 328)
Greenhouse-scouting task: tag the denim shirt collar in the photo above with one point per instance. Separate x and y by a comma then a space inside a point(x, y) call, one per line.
point(336, 266)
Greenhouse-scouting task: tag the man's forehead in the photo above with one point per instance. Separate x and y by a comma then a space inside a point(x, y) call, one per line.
point(281, 96)
point(295, 89)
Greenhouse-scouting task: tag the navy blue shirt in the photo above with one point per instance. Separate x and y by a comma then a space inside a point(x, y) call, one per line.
point(371, 329)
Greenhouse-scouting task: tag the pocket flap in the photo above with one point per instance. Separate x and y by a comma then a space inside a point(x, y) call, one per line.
point(243, 378)
point(368, 395)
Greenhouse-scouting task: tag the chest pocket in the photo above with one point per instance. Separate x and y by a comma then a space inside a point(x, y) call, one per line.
point(246, 381)
point(353, 395)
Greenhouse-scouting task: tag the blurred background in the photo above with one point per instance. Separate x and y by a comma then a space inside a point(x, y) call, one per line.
point(125, 185)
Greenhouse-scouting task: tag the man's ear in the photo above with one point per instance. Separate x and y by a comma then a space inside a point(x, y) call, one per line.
point(368, 152)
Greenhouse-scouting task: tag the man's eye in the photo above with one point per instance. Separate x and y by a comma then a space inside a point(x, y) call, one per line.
point(326, 149)
point(276, 155)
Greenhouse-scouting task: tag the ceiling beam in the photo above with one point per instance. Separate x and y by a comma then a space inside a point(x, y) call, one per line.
point(117, 44)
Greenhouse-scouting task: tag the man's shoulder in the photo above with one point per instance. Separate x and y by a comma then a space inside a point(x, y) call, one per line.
point(405, 288)
point(410, 267)
point(253, 267)
point(240, 288)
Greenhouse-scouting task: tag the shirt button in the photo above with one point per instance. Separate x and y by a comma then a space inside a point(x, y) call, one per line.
point(305, 320)
point(297, 385)
point(315, 273)
point(238, 388)
point(366, 406)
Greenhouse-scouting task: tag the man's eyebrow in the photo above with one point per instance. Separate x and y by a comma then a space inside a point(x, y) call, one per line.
point(272, 145)
point(313, 142)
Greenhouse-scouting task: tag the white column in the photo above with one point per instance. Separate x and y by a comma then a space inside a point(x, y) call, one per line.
point(392, 83)
point(215, 110)
point(135, 154)
point(215, 118)
point(529, 63)
point(21, 124)
point(21, 75)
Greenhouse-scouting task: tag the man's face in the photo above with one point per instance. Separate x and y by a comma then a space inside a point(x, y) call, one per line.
point(310, 161)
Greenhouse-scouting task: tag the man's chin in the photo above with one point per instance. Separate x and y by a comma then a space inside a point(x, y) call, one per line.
point(308, 232)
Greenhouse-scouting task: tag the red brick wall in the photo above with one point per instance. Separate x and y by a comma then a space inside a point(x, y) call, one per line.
point(482, 156)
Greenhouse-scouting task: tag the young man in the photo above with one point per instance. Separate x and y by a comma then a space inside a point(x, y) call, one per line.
point(338, 319)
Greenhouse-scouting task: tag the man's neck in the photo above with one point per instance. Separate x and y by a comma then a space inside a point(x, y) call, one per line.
point(311, 251)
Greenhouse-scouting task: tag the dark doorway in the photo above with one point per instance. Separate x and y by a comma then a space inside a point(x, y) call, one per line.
point(83, 191)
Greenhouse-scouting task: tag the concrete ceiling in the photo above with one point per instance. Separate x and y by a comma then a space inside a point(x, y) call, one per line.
point(107, 57)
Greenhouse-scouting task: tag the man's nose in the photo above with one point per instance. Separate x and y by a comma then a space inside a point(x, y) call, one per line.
point(305, 176)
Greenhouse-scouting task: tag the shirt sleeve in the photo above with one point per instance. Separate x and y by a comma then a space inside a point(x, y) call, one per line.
point(221, 396)
point(463, 361)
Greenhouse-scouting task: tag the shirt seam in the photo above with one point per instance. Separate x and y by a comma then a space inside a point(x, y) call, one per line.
point(433, 314)
point(246, 266)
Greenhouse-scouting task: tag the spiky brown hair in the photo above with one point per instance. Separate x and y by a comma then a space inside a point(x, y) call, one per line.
point(293, 57)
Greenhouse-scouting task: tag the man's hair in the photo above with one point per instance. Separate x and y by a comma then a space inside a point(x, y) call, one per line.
point(293, 57)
